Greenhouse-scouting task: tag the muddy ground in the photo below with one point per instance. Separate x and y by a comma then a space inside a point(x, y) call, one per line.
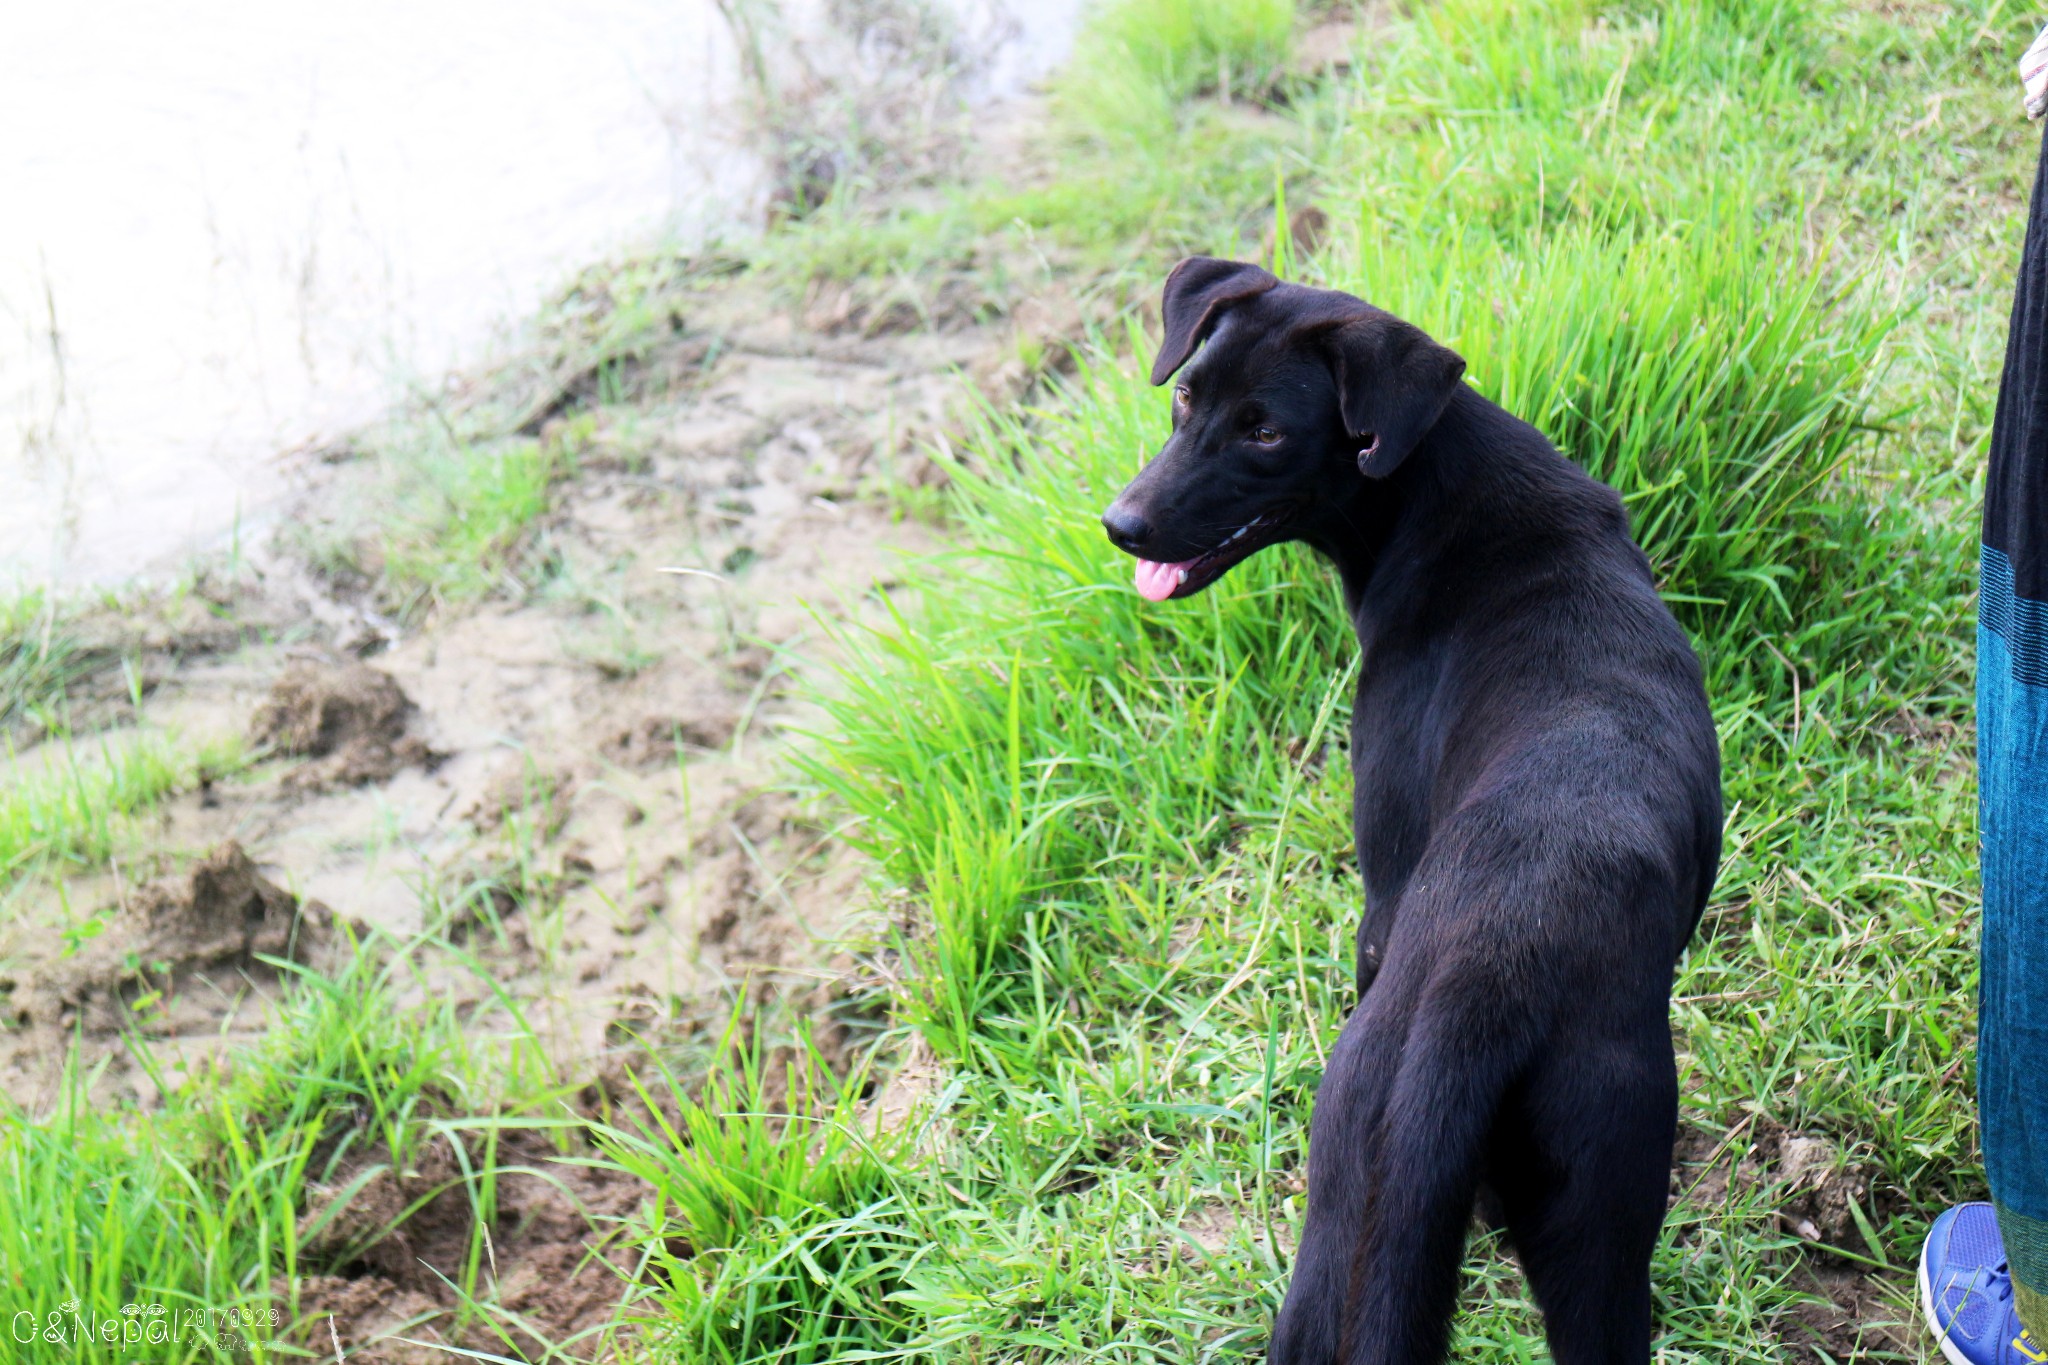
point(614, 765)
point(578, 785)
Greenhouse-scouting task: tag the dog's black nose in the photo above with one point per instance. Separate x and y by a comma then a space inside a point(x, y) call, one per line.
point(1127, 530)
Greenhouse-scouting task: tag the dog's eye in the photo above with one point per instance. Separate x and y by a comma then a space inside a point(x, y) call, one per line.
point(1180, 395)
point(1266, 436)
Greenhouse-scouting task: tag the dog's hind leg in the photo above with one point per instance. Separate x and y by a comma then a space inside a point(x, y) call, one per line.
point(1343, 1140)
point(1466, 1045)
point(1395, 1151)
point(1586, 1195)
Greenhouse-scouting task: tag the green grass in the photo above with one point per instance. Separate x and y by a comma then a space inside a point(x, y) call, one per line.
point(464, 523)
point(72, 809)
point(1137, 62)
point(775, 1230)
point(205, 1205)
point(39, 657)
point(1040, 726)
point(1733, 255)
point(1698, 246)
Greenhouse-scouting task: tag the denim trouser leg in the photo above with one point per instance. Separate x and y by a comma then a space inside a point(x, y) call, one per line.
point(2012, 1047)
point(2012, 759)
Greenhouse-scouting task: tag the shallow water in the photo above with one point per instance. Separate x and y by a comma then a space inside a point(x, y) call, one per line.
point(234, 228)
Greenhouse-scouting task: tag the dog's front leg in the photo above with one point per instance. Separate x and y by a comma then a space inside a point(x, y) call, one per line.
point(1372, 946)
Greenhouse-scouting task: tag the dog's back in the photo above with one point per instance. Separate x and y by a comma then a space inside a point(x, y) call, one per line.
point(1518, 658)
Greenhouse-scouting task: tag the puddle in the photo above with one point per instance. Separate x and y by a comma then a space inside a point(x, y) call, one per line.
point(236, 228)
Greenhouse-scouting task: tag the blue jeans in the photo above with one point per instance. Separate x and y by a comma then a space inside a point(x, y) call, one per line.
point(2012, 762)
point(2012, 1039)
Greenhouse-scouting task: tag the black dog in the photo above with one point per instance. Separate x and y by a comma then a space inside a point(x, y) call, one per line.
point(1537, 803)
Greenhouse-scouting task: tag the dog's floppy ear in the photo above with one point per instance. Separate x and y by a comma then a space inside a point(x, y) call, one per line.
point(1197, 292)
point(1393, 382)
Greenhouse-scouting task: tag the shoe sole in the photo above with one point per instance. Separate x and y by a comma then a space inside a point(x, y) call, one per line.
point(1949, 1350)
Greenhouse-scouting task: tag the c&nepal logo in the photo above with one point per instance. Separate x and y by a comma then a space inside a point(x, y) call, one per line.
point(138, 1325)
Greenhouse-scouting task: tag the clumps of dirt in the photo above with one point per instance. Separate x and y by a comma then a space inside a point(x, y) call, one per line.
point(215, 922)
point(548, 1260)
point(540, 795)
point(179, 961)
point(725, 894)
point(1815, 1187)
point(1821, 1188)
point(347, 719)
point(365, 1320)
point(224, 910)
point(745, 923)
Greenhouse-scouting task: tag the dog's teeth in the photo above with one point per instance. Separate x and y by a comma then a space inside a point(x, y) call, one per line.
point(1180, 575)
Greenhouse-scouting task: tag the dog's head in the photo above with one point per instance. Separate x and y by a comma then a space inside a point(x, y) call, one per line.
point(1299, 398)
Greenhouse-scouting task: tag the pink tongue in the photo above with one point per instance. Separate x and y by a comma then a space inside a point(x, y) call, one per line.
point(1156, 582)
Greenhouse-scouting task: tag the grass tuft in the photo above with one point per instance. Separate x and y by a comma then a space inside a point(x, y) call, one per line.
point(38, 656)
point(76, 808)
point(465, 516)
point(1138, 62)
point(203, 1206)
point(775, 1230)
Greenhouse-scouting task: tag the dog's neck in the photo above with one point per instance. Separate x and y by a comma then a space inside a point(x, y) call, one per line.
point(1477, 478)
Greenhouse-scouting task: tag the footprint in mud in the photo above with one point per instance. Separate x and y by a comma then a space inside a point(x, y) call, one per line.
point(394, 1237)
point(166, 960)
point(347, 719)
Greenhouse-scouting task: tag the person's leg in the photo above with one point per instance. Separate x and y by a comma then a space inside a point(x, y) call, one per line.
point(1984, 1270)
point(2012, 758)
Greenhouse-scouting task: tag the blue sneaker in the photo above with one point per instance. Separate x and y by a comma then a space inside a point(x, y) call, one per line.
point(1966, 1291)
